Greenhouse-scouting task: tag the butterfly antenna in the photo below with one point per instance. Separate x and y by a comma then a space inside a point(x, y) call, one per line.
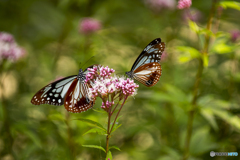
point(87, 61)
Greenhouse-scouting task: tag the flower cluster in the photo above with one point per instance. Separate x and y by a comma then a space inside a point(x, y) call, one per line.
point(126, 86)
point(105, 86)
point(107, 104)
point(8, 48)
point(89, 25)
point(182, 4)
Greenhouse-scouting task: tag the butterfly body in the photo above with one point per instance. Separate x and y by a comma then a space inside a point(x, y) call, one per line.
point(147, 69)
point(71, 91)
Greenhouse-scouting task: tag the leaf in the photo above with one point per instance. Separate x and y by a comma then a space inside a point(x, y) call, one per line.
point(188, 53)
point(206, 32)
point(230, 4)
point(100, 111)
point(193, 26)
point(229, 118)
point(116, 127)
point(94, 146)
point(115, 147)
point(221, 48)
point(56, 116)
point(219, 108)
point(95, 130)
point(209, 116)
point(93, 123)
point(201, 141)
point(173, 95)
point(109, 156)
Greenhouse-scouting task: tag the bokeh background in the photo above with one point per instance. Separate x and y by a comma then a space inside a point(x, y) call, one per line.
point(58, 37)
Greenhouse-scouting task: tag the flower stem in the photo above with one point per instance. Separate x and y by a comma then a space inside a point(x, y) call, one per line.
point(109, 131)
point(118, 113)
point(196, 86)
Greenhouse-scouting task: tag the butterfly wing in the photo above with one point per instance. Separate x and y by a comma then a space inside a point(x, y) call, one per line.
point(151, 53)
point(77, 100)
point(54, 93)
point(148, 74)
point(146, 69)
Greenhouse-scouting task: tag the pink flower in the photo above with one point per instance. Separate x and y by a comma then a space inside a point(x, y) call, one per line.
point(164, 56)
point(235, 34)
point(158, 5)
point(8, 48)
point(89, 25)
point(192, 14)
point(107, 87)
point(182, 4)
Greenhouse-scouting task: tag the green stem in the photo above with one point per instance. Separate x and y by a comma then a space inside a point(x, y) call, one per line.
point(118, 113)
point(109, 131)
point(196, 86)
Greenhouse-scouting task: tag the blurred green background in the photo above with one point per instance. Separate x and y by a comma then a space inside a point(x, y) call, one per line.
point(155, 121)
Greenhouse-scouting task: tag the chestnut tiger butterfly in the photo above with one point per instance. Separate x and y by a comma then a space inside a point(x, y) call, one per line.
point(71, 91)
point(147, 69)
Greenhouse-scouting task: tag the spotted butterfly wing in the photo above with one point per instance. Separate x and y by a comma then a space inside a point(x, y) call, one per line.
point(71, 91)
point(147, 69)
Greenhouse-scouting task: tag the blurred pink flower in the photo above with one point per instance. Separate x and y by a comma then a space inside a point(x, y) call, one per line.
point(164, 56)
point(184, 4)
point(158, 5)
point(235, 34)
point(8, 48)
point(192, 14)
point(89, 25)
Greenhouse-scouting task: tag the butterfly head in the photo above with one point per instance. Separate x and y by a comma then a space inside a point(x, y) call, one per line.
point(81, 76)
point(129, 74)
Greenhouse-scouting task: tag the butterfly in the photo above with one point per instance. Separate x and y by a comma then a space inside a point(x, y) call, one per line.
point(147, 69)
point(71, 91)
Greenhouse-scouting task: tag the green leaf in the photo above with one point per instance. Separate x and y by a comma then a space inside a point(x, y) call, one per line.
point(173, 95)
point(230, 4)
point(116, 127)
point(206, 32)
point(95, 130)
point(201, 141)
point(115, 147)
point(193, 26)
point(229, 118)
point(30, 134)
point(93, 123)
point(56, 116)
point(207, 113)
point(188, 53)
point(222, 48)
point(100, 111)
point(109, 156)
point(94, 146)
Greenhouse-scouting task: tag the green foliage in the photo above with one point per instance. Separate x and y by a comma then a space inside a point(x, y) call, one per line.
point(230, 4)
point(94, 146)
point(96, 124)
point(153, 124)
point(109, 156)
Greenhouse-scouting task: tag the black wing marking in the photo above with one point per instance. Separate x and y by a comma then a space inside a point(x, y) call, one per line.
point(151, 53)
point(54, 93)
